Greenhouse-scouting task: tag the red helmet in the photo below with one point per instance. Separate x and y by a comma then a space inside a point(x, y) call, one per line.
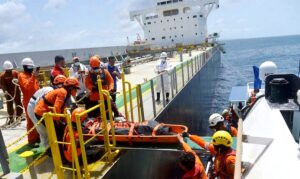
point(78, 111)
point(95, 62)
point(72, 82)
point(59, 79)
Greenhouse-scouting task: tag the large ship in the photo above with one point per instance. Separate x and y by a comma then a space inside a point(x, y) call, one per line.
point(175, 22)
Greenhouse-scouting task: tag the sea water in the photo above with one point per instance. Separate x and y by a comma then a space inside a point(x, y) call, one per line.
point(241, 55)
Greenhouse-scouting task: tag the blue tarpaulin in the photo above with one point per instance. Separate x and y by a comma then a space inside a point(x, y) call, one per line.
point(257, 81)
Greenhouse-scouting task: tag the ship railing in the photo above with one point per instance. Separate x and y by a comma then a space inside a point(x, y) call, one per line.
point(106, 129)
point(139, 102)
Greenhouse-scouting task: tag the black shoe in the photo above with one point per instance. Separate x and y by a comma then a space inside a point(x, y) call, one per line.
point(167, 100)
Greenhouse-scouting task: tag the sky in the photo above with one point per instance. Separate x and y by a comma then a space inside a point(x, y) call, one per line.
point(35, 25)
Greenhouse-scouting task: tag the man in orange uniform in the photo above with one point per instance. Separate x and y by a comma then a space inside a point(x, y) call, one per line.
point(93, 153)
point(217, 123)
point(220, 147)
point(58, 68)
point(13, 92)
point(29, 85)
point(57, 99)
point(92, 86)
point(190, 162)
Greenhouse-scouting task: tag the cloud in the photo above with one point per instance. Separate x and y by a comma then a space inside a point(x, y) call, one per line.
point(55, 4)
point(10, 11)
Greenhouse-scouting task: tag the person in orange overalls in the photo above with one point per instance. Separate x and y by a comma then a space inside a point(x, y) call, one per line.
point(190, 162)
point(58, 68)
point(92, 86)
point(12, 91)
point(57, 99)
point(93, 153)
point(216, 122)
point(220, 148)
point(29, 85)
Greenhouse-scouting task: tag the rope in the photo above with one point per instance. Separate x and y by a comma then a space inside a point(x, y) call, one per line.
point(24, 135)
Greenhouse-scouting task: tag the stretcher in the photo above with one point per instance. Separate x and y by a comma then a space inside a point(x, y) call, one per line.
point(145, 132)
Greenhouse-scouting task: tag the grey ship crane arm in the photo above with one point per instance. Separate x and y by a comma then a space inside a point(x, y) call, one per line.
point(137, 15)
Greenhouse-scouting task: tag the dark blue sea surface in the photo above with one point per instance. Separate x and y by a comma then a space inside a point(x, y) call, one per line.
point(236, 64)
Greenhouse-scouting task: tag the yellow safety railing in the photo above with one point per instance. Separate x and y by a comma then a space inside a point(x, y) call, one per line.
point(110, 153)
point(138, 94)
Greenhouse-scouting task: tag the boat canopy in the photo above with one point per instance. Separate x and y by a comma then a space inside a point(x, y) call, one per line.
point(238, 93)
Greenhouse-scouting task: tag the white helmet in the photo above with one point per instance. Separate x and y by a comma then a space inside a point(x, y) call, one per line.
point(225, 112)
point(266, 69)
point(163, 55)
point(27, 61)
point(7, 65)
point(214, 119)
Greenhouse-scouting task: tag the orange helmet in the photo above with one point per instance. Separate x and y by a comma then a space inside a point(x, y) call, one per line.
point(72, 82)
point(95, 62)
point(59, 79)
point(78, 111)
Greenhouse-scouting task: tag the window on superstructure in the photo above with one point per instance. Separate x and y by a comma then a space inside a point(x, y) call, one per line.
point(201, 15)
point(163, 37)
point(174, 19)
point(171, 12)
point(181, 35)
point(175, 28)
point(186, 10)
point(149, 23)
point(153, 38)
point(175, 1)
point(196, 25)
point(195, 16)
point(144, 23)
point(161, 21)
point(158, 3)
point(182, 27)
point(196, 33)
point(149, 31)
point(163, 3)
point(169, 2)
point(167, 20)
point(175, 36)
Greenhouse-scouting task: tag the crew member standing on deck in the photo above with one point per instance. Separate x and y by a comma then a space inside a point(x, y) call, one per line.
point(58, 69)
point(115, 73)
point(163, 68)
point(220, 148)
point(12, 91)
point(29, 85)
point(79, 71)
point(217, 123)
point(92, 85)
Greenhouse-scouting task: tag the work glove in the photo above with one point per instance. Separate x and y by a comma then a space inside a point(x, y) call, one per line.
point(185, 134)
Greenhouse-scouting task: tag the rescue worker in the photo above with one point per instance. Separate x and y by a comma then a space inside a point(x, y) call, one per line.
point(162, 68)
point(226, 115)
point(220, 148)
point(79, 71)
point(57, 99)
point(115, 73)
point(93, 154)
point(92, 85)
point(190, 162)
point(29, 85)
point(57, 83)
point(217, 123)
point(12, 91)
point(58, 69)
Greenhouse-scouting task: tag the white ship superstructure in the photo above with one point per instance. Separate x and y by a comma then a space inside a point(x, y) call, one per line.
point(174, 22)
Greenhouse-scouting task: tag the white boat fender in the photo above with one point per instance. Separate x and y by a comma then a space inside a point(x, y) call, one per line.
point(267, 68)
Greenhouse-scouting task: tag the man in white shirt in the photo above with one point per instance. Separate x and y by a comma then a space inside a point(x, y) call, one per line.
point(163, 68)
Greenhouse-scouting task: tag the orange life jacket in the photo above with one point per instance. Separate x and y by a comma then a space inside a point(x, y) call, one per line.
point(221, 165)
